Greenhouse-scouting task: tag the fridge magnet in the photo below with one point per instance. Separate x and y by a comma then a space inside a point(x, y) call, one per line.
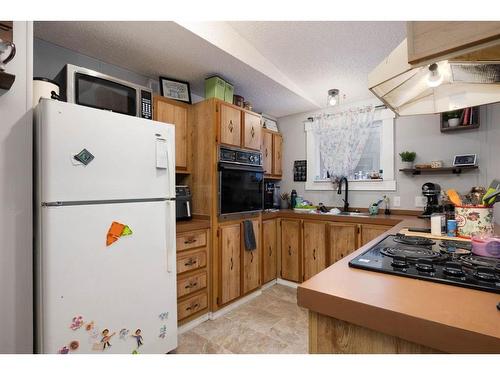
point(135, 352)
point(163, 332)
point(124, 333)
point(115, 231)
point(138, 337)
point(105, 338)
point(74, 345)
point(163, 316)
point(89, 326)
point(63, 350)
point(76, 323)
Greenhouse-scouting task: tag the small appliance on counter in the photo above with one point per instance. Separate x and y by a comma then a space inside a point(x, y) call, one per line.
point(271, 195)
point(431, 191)
point(93, 89)
point(183, 203)
point(44, 88)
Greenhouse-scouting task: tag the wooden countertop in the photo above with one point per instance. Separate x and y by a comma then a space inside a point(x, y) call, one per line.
point(193, 224)
point(444, 317)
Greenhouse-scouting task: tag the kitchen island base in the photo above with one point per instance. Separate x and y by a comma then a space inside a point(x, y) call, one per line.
point(328, 335)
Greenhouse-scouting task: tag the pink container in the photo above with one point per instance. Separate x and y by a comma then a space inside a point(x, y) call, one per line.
point(486, 246)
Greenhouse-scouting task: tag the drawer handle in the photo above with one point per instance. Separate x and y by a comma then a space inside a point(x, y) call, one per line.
point(314, 254)
point(190, 262)
point(270, 250)
point(230, 126)
point(290, 250)
point(251, 257)
point(252, 132)
point(190, 240)
point(193, 307)
point(231, 263)
point(191, 285)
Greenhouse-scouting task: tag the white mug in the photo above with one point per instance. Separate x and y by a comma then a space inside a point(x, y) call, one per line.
point(4, 46)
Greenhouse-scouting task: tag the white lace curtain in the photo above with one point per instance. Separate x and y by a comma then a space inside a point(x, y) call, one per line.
point(342, 138)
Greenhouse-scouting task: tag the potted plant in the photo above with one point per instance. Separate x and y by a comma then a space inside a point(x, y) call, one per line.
point(453, 118)
point(407, 159)
point(285, 200)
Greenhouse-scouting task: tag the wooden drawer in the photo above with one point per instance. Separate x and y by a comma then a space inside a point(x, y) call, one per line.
point(192, 305)
point(191, 284)
point(191, 240)
point(191, 260)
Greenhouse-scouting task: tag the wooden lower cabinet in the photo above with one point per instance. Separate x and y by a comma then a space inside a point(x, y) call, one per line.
point(370, 231)
point(342, 240)
point(250, 262)
point(314, 248)
point(269, 250)
point(229, 254)
point(192, 274)
point(291, 250)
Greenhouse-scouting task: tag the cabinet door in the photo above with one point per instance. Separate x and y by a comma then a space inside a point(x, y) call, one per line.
point(267, 152)
point(314, 248)
point(253, 131)
point(230, 125)
point(251, 262)
point(177, 115)
point(277, 154)
point(369, 232)
point(229, 247)
point(290, 250)
point(268, 250)
point(342, 240)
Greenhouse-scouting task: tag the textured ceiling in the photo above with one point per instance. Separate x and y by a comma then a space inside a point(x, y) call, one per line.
point(315, 56)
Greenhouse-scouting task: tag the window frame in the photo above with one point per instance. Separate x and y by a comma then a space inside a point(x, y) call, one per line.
point(387, 157)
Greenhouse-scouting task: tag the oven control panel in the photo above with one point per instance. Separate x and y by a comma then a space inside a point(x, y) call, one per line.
point(240, 156)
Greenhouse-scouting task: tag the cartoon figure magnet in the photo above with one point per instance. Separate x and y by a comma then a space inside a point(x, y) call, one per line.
point(163, 316)
point(106, 337)
point(138, 337)
point(124, 333)
point(163, 332)
point(76, 322)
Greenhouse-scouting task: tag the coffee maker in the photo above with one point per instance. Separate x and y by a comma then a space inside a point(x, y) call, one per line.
point(271, 195)
point(431, 191)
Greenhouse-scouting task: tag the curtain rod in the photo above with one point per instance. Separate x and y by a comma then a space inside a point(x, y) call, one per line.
point(381, 106)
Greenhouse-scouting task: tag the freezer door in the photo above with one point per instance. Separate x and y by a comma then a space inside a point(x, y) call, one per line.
point(90, 292)
point(87, 154)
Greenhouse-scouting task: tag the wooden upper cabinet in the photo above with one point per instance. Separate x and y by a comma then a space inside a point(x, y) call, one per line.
point(430, 41)
point(291, 250)
point(229, 275)
point(369, 232)
point(269, 255)
point(277, 154)
point(250, 261)
point(252, 131)
point(172, 112)
point(342, 240)
point(267, 152)
point(314, 248)
point(230, 125)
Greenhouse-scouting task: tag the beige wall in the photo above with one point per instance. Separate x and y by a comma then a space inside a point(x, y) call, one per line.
point(16, 318)
point(414, 133)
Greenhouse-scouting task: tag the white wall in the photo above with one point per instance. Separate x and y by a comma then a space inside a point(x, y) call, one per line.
point(413, 133)
point(16, 318)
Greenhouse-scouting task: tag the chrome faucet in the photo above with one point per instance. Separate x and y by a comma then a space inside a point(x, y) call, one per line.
point(339, 191)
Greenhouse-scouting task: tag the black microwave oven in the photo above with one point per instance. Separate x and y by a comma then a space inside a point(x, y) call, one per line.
point(93, 89)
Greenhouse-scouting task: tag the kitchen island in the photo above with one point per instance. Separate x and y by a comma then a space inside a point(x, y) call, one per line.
point(358, 311)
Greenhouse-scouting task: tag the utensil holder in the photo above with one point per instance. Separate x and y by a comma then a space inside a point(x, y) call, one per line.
point(474, 220)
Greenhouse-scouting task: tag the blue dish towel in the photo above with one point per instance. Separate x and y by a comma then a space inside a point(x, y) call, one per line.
point(249, 235)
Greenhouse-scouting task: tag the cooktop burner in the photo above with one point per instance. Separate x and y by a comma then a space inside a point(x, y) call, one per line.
point(413, 240)
point(443, 261)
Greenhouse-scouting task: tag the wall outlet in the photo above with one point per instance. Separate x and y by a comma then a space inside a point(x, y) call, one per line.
point(396, 201)
point(420, 201)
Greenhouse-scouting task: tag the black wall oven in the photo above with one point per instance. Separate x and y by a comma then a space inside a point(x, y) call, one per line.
point(241, 181)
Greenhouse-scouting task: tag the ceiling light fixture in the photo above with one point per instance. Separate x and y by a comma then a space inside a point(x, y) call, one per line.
point(435, 77)
point(333, 97)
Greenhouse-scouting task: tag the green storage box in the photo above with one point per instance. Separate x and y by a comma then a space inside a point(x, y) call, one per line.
point(228, 93)
point(215, 87)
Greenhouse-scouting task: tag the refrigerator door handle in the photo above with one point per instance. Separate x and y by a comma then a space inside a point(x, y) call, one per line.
point(170, 240)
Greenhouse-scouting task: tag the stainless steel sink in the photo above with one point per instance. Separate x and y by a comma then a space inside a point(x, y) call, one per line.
point(352, 214)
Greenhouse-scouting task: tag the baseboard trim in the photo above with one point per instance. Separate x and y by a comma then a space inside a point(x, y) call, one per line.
point(291, 284)
point(193, 323)
point(217, 314)
point(268, 284)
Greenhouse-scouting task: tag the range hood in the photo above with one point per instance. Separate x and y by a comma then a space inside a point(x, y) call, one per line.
point(465, 79)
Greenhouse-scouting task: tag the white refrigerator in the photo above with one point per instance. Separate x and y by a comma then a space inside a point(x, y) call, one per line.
point(105, 275)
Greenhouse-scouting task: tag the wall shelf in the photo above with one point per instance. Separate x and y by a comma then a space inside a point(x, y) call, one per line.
point(443, 170)
point(468, 116)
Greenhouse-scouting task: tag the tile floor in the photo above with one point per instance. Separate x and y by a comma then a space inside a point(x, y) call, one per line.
point(271, 323)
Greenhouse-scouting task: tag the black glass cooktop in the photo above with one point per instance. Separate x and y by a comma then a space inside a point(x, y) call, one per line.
point(442, 261)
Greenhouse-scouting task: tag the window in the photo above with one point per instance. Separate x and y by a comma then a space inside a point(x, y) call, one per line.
point(365, 150)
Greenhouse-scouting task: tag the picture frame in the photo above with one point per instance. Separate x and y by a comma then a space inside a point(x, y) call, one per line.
point(175, 89)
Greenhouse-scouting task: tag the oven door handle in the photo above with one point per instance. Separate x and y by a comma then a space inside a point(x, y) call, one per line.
point(240, 167)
